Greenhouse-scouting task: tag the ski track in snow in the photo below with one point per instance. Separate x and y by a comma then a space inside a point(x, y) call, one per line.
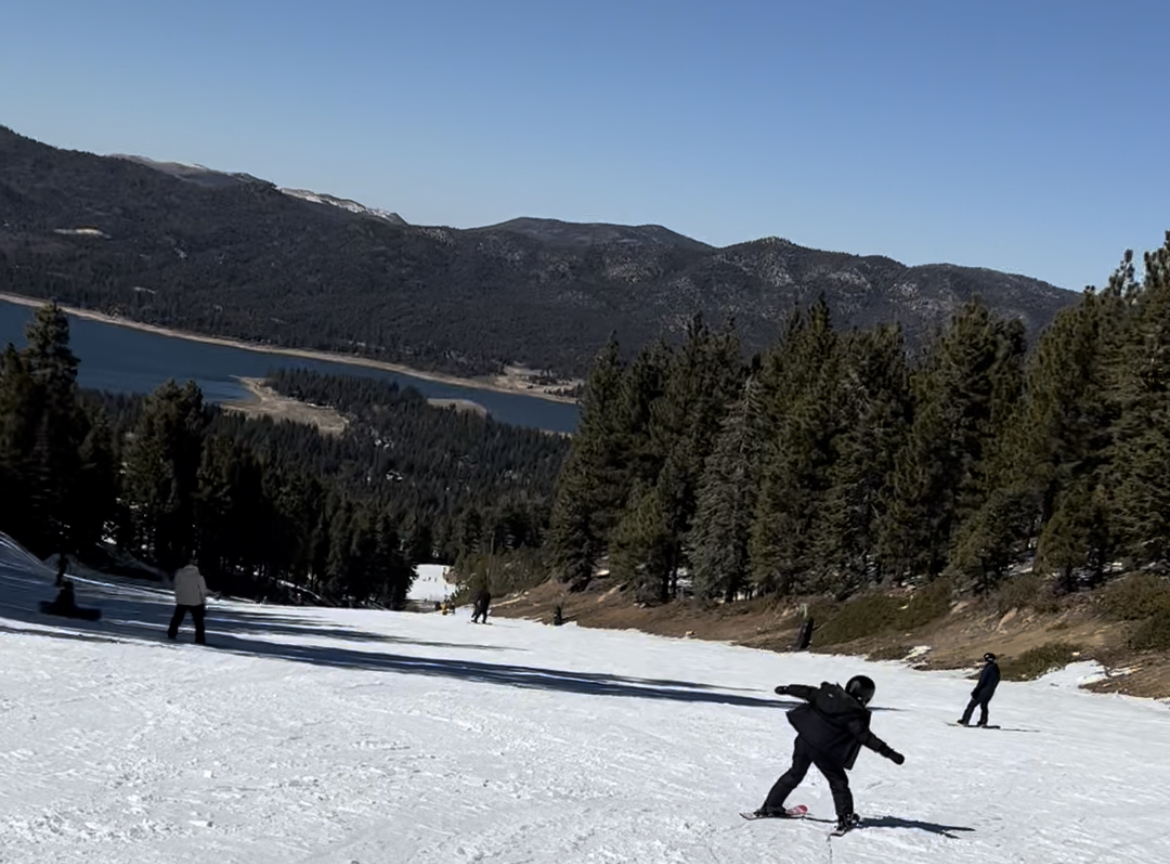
point(338, 736)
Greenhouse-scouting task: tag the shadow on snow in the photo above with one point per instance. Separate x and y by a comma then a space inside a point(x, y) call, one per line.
point(898, 822)
point(140, 613)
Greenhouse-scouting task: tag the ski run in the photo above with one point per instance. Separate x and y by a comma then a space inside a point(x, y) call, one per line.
point(339, 736)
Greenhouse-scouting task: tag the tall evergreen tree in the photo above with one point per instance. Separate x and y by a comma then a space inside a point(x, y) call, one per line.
point(162, 464)
point(965, 391)
point(876, 407)
point(594, 483)
point(1141, 453)
point(726, 501)
point(803, 394)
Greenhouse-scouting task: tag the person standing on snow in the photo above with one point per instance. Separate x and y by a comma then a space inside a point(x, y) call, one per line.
point(482, 601)
point(831, 730)
point(984, 690)
point(190, 596)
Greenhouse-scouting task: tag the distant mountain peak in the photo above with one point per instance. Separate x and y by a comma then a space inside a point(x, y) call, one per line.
point(192, 172)
point(557, 232)
point(344, 204)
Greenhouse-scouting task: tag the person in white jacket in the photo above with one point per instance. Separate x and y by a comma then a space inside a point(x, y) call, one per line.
point(190, 596)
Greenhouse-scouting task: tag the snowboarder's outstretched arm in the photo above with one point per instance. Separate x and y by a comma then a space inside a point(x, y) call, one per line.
point(880, 747)
point(800, 691)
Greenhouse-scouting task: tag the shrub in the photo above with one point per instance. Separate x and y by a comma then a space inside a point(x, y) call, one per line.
point(1136, 597)
point(891, 652)
point(1028, 591)
point(926, 604)
point(1036, 661)
point(864, 616)
point(1153, 634)
point(874, 614)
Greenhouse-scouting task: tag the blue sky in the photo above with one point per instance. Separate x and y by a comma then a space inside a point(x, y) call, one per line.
point(1024, 136)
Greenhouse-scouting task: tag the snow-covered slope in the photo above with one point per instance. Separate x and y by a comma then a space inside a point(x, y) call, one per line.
point(344, 204)
point(431, 585)
point(340, 736)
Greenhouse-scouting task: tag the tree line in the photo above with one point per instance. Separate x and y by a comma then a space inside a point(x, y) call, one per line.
point(833, 462)
point(265, 508)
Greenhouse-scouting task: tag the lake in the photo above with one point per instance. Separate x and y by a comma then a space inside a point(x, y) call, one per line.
point(122, 359)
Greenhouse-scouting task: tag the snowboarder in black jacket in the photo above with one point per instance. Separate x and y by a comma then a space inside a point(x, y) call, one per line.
point(984, 690)
point(831, 730)
point(482, 601)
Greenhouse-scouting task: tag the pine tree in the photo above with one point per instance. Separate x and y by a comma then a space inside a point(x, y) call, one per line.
point(643, 548)
point(1141, 453)
point(726, 501)
point(965, 392)
point(162, 463)
point(594, 483)
point(876, 407)
point(803, 398)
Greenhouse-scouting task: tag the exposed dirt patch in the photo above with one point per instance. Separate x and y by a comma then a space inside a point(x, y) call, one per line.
point(459, 405)
point(955, 641)
point(266, 401)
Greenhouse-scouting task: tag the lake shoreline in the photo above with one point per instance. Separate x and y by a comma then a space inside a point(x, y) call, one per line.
point(494, 385)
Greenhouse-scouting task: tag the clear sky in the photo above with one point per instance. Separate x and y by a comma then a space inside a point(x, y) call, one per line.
point(1024, 135)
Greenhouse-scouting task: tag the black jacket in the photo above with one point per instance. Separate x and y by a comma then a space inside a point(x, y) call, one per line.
point(988, 681)
point(834, 723)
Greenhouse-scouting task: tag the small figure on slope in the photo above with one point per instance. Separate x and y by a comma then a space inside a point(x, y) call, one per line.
point(831, 730)
point(190, 596)
point(482, 601)
point(984, 690)
point(66, 604)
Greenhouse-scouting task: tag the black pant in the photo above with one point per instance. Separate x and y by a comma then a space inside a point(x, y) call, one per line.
point(981, 701)
point(197, 613)
point(480, 612)
point(803, 755)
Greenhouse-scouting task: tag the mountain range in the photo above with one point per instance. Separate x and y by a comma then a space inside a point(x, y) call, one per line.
point(192, 248)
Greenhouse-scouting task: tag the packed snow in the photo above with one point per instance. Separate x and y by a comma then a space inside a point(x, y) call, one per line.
point(338, 736)
point(431, 585)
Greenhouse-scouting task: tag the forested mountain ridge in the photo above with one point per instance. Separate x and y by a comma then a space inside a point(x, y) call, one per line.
point(231, 255)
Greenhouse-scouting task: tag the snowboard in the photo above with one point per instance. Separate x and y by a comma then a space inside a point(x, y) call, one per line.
point(972, 726)
point(797, 812)
point(76, 612)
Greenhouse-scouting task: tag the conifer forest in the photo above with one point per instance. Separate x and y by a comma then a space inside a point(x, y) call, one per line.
point(829, 464)
point(837, 461)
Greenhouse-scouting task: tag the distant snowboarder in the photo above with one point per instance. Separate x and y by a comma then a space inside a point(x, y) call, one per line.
point(482, 601)
point(984, 690)
point(65, 604)
point(190, 596)
point(831, 730)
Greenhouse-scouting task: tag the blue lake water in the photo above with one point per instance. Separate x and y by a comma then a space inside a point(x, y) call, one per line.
point(122, 359)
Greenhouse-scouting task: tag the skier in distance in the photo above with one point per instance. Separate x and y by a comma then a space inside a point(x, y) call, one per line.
point(984, 690)
point(831, 729)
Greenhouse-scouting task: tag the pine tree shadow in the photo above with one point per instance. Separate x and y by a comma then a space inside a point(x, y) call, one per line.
point(141, 614)
point(899, 822)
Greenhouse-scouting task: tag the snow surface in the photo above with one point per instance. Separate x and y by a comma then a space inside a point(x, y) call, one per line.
point(431, 585)
point(337, 736)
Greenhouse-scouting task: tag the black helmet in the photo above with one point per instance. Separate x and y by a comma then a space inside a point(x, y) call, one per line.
point(861, 688)
point(988, 657)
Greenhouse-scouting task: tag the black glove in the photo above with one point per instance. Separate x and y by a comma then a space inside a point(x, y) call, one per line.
point(782, 690)
point(895, 757)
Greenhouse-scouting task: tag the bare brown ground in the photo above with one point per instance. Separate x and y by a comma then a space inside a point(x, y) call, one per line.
point(459, 405)
point(956, 641)
point(266, 401)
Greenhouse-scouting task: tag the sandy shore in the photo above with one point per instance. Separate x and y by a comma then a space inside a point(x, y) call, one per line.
point(499, 383)
point(265, 400)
